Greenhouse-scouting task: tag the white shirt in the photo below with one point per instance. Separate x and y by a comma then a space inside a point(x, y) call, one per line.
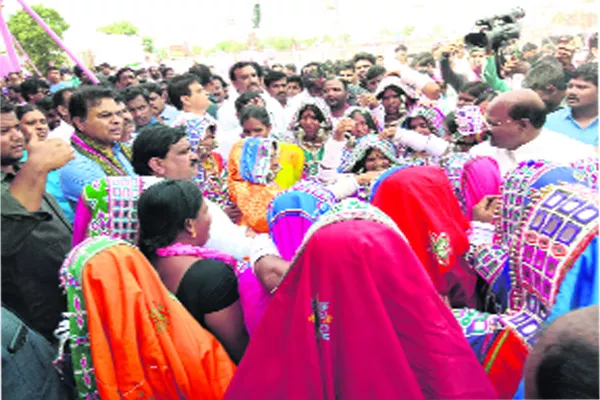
point(547, 146)
point(226, 236)
point(63, 131)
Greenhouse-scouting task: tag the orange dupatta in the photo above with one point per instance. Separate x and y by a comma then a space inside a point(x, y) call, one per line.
point(144, 343)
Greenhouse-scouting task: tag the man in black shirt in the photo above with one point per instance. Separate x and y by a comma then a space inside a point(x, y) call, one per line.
point(36, 236)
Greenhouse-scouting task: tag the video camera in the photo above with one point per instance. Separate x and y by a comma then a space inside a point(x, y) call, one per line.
point(496, 30)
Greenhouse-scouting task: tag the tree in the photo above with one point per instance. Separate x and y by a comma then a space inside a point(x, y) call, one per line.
point(119, 28)
point(148, 45)
point(35, 41)
point(408, 30)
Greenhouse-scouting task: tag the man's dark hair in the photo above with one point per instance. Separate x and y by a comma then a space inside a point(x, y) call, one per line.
point(24, 109)
point(133, 92)
point(45, 104)
point(88, 96)
point(475, 89)
point(104, 65)
point(140, 71)
point(51, 69)
point(202, 72)
point(15, 88)
point(291, 67)
point(528, 47)
point(153, 141)
point(220, 79)
point(588, 72)
point(152, 87)
point(374, 71)
point(545, 73)
point(244, 64)
point(296, 79)
point(120, 72)
point(244, 99)
point(30, 87)
point(180, 86)
point(336, 78)
point(6, 107)
point(316, 64)
point(400, 47)
point(58, 98)
point(425, 59)
point(568, 369)
point(274, 76)
point(530, 111)
point(364, 56)
point(346, 65)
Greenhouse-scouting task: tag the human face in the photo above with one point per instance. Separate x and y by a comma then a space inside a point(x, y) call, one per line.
point(476, 60)
point(157, 103)
point(197, 101)
point(103, 124)
point(140, 110)
point(53, 118)
point(169, 73)
point(293, 89)
point(419, 125)
point(53, 76)
point(361, 67)
point(217, 90)
point(278, 90)
point(335, 94)
point(201, 225)
point(465, 99)
point(504, 131)
point(255, 128)
point(376, 161)
point(14, 79)
point(143, 75)
point(373, 83)
point(347, 75)
point(34, 123)
point(180, 163)
point(41, 93)
point(12, 139)
point(154, 73)
point(246, 79)
point(391, 102)
point(360, 126)
point(550, 96)
point(401, 56)
point(127, 78)
point(310, 123)
point(128, 124)
point(581, 94)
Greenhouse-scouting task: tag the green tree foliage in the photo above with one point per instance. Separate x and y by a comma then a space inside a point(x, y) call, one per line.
point(148, 45)
point(119, 28)
point(35, 41)
point(408, 30)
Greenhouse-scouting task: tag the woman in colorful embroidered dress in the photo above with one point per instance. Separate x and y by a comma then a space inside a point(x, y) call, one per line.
point(589, 168)
point(257, 123)
point(311, 126)
point(552, 268)
point(357, 123)
point(253, 187)
point(316, 308)
point(425, 121)
point(472, 178)
point(108, 207)
point(174, 226)
point(371, 154)
point(122, 318)
point(422, 202)
point(397, 99)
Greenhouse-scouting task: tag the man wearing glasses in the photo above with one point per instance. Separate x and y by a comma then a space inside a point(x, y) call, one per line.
point(34, 89)
point(515, 121)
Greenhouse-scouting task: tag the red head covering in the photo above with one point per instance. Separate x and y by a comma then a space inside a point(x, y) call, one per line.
point(422, 203)
point(357, 317)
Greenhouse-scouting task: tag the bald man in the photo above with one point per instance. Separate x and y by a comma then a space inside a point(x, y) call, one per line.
point(563, 364)
point(515, 120)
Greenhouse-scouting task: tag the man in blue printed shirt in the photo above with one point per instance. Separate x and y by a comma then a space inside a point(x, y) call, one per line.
point(580, 119)
point(98, 151)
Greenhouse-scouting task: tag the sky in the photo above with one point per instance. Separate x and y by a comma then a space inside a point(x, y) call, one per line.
point(206, 23)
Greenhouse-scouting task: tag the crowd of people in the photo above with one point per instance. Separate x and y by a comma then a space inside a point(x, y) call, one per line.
point(352, 230)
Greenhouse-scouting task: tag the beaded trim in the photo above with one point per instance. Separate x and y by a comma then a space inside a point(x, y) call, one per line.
point(70, 276)
point(562, 220)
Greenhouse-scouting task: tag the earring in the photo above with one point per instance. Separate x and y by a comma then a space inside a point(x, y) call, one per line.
point(321, 133)
point(301, 134)
point(193, 234)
